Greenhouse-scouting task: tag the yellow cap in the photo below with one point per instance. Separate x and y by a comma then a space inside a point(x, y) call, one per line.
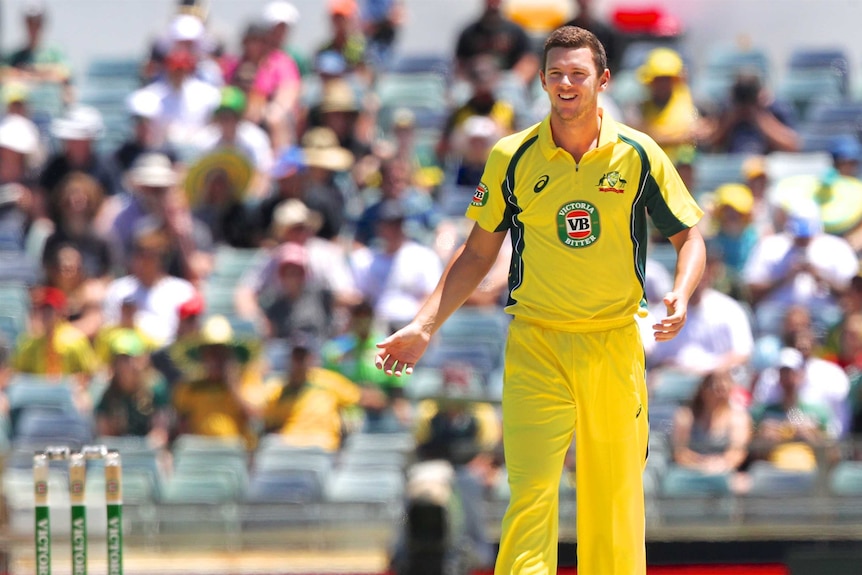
point(736, 196)
point(660, 62)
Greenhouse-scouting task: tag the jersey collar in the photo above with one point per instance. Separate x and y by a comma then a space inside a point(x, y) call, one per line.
point(609, 134)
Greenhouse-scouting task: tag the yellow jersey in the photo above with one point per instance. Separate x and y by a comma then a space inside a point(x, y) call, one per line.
point(579, 230)
point(311, 415)
point(69, 352)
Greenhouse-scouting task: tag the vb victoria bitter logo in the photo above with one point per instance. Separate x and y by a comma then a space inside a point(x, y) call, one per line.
point(578, 224)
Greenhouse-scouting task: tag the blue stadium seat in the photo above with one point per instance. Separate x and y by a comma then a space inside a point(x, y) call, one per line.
point(285, 486)
point(366, 486)
point(682, 482)
point(846, 479)
point(833, 60)
point(769, 481)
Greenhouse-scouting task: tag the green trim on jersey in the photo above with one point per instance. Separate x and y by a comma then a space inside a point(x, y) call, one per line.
point(639, 225)
point(516, 265)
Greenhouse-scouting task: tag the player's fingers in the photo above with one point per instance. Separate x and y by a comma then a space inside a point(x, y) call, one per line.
point(380, 360)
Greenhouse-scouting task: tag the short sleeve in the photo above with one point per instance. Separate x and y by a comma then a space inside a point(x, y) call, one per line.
point(488, 204)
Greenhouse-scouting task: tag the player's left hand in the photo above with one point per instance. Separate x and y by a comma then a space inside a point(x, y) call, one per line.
point(670, 326)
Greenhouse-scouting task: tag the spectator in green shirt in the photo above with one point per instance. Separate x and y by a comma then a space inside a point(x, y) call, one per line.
point(352, 355)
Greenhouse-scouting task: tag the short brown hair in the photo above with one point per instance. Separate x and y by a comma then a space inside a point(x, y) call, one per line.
point(575, 37)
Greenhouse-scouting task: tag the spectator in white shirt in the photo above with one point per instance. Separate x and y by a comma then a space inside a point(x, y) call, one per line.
point(186, 102)
point(802, 265)
point(294, 222)
point(824, 383)
point(156, 294)
point(717, 334)
point(398, 274)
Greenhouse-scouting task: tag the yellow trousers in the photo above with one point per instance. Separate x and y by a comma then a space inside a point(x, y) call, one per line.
point(590, 386)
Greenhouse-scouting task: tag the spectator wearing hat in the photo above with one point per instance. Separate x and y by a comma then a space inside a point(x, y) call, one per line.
point(149, 181)
point(186, 31)
point(325, 159)
point(837, 192)
point(20, 148)
point(346, 36)
point(306, 404)
point(143, 108)
point(483, 73)
point(421, 216)
point(231, 130)
point(52, 346)
point(823, 382)
point(756, 177)
point(752, 121)
point(800, 266)
point(734, 235)
point(326, 261)
point(340, 110)
point(840, 191)
point(78, 131)
point(493, 34)
point(217, 201)
point(21, 133)
point(301, 303)
point(667, 113)
point(788, 430)
point(186, 103)
point(473, 143)
point(136, 401)
point(396, 274)
point(288, 179)
point(156, 294)
point(271, 81)
point(211, 400)
point(19, 145)
point(155, 200)
point(36, 62)
point(127, 323)
point(282, 17)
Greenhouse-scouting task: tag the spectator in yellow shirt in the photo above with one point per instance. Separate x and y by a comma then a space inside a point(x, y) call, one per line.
point(53, 346)
point(305, 406)
point(213, 403)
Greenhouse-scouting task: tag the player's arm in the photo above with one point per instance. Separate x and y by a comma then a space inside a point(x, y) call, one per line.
point(690, 261)
point(400, 351)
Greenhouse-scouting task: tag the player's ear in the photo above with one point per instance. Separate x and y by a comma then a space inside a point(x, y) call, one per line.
point(605, 80)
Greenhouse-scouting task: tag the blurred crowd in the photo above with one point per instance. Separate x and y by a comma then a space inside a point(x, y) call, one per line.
point(215, 247)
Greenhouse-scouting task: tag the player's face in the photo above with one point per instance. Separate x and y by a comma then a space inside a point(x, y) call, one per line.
point(572, 82)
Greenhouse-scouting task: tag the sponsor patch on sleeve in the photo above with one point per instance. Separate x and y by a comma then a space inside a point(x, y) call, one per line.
point(480, 196)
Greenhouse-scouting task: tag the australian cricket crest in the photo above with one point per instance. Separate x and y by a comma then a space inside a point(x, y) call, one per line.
point(578, 224)
point(612, 182)
point(480, 196)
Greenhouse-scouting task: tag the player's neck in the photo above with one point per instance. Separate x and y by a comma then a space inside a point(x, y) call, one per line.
point(577, 136)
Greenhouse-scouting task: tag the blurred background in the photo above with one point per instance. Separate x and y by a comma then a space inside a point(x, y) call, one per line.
point(211, 210)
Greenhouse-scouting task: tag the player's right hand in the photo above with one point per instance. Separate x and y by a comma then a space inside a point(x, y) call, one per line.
point(400, 351)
